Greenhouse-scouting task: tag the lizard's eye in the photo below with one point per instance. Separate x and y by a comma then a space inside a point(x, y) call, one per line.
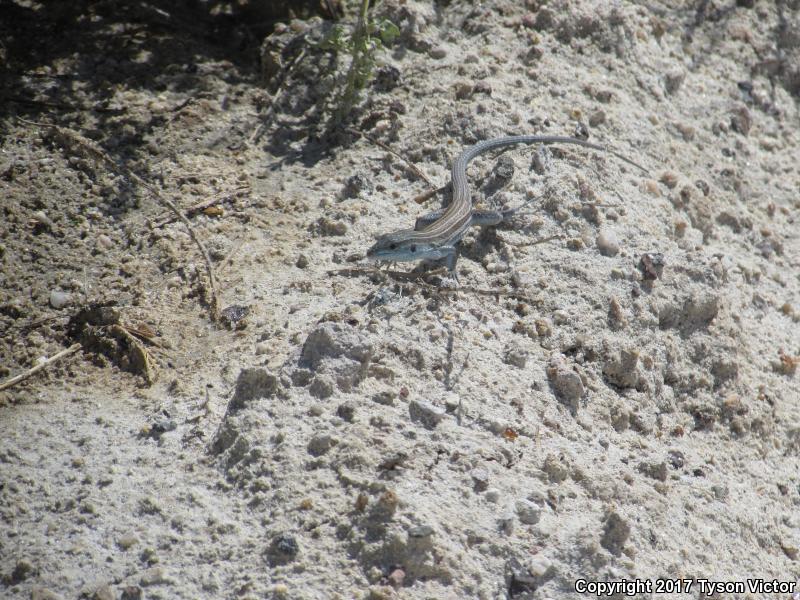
point(413, 248)
point(392, 246)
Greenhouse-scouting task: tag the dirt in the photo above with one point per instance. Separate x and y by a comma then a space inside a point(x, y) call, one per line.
point(609, 393)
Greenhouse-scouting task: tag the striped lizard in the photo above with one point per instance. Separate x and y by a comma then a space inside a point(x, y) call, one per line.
point(435, 235)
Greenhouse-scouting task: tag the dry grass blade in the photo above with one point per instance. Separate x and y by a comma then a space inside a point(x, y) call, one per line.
point(201, 206)
point(410, 164)
point(33, 370)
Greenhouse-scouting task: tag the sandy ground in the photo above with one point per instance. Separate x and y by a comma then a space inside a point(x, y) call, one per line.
point(610, 395)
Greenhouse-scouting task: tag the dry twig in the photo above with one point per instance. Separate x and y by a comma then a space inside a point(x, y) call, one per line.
point(200, 206)
point(284, 77)
point(410, 164)
point(396, 275)
point(425, 196)
point(33, 370)
point(478, 291)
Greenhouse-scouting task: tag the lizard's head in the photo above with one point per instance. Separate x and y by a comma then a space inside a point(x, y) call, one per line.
point(396, 247)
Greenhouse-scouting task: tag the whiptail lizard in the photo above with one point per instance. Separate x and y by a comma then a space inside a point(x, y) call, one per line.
point(435, 235)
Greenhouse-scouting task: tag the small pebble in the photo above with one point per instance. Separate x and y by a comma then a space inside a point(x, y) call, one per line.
point(387, 78)
point(104, 592)
point(161, 426)
point(607, 242)
point(790, 549)
point(651, 187)
point(541, 160)
point(533, 55)
point(503, 170)
point(481, 87)
point(652, 265)
point(394, 460)
point(687, 131)
point(104, 242)
point(420, 531)
point(515, 356)
point(721, 492)
point(528, 512)
point(298, 25)
point(425, 413)
point(463, 90)
point(537, 495)
point(495, 268)
point(539, 566)
point(669, 179)
point(355, 185)
point(284, 548)
point(153, 576)
point(520, 576)
point(385, 398)
point(322, 386)
point(329, 227)
point(702, 186)
point(21, 571)
point(616, 532)
point(496, 426)
point(597, 118)
point(346, 411)
point(555, 468)
point(505, 522)
point(437, 52)
point(59, 299)
point(492, 495)
point(131, 592)
point(480, 477)
point(42, 219)
point(673, 81)
point(575, 244)
point(543, 327)
point(741, 120)
point(320, 444)
point(616, 315)
point(396, 577)
point(386, 505)
point(566, 382)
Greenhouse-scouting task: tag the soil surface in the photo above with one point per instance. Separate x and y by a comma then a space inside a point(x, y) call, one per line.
point(608, 393)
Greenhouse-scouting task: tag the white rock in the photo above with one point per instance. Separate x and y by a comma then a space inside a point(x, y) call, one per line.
point(607, 242)
point(59, 299)
point(492, 495)
point(528, 512)
point(539, 566)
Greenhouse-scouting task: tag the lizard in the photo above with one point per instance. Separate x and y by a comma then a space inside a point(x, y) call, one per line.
point(436, 235)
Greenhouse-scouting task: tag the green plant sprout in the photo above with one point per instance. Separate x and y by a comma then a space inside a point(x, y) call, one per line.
point(368, 37)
